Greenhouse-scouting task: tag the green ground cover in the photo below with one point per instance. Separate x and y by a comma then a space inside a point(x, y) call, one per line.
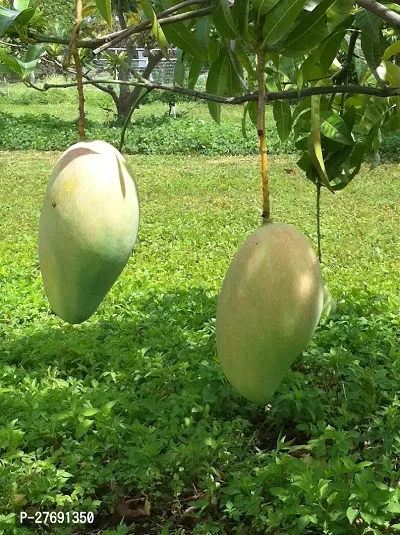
point(129, 415)
point(32, 120)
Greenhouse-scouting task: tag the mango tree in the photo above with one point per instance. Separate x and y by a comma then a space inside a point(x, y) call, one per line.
point(335, 59)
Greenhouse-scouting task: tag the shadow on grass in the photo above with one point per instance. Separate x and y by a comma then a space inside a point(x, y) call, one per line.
point(155, 359)
point(43, 121)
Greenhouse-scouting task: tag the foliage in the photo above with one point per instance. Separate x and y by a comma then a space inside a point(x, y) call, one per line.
point(47, 121)
point(303, 42)
point(135, 401)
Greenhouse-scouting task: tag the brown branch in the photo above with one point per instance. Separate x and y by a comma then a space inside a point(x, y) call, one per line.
point(116, 37)
point(128, 119)
point(124, 33)
point(318, 185)
point(344, 71)
point(10, 44)
point(261, 136)
point(147, 24)
point(391, 17)
point(154, 59)
point(107, 89)
point(78, 67)
point(248, 97)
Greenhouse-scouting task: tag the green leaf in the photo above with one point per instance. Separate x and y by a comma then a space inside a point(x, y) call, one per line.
point(336, 161)
point(245, 60)
point(34, 52)
point(194, 72)
point(311, 30)
point(234, 86)
point(240, 15)
point(283, 118)
point(19, 67)
point(106, 409)
point(334, 127)
point(179, 69)
point(305, 162)
point(9, 16)
point(309, 64)
point(338, 12)
point(315, 142)
point(369, 24)
point(375, 113)
point(203, 31)
point(252, 109)
point(331, 47)
point(303, 106)
point(244, 117)
point(391, 50)
point(20, 5)
point(280, 19)
point(264, 6)
point(5, 69)
point(89, 411)
point(392, 74)
point(360, 67)
point(303, 522)
point(184, 39)
point(217, 80)
point(288, 67)
point(83, 427)
point(104, 7)
point(349, 117)
point(213, 50)
point(357, 155)
point(223, 20)
point(372, 51)
point(155, 26)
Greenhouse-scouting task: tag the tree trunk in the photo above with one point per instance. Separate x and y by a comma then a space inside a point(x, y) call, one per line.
point(124, 71)
point(154, 60)
point(126, 98)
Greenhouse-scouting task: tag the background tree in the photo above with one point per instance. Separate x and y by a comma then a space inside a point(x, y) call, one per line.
point(312, 53)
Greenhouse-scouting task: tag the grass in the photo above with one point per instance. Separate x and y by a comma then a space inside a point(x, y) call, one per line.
point(47, 121)
point(32, 120)
point(129, 415)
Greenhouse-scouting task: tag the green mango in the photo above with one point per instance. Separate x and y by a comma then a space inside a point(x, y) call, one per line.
point(88, 228)
point(268, 308)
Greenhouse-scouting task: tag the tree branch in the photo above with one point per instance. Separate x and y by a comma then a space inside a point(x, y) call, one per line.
point(342, 74)
point(146, 25)
point(154, 59)
point(116, 37)
point(391, 17)
point(241, 99)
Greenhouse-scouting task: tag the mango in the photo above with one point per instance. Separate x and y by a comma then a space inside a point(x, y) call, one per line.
point(268, 308)
point(88, 228)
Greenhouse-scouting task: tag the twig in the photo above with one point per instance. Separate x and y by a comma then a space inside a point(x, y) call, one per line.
point(339, 77)
point(10, 44)
point(261, 136)
point(391, 17)
point(93, 44)
point(319, 220)
point(248, 97)
point(128, 119)
point(146, 25)
point(78, 67)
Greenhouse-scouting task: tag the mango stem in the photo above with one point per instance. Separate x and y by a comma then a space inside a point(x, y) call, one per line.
point(78, 68)
point(261, 136)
